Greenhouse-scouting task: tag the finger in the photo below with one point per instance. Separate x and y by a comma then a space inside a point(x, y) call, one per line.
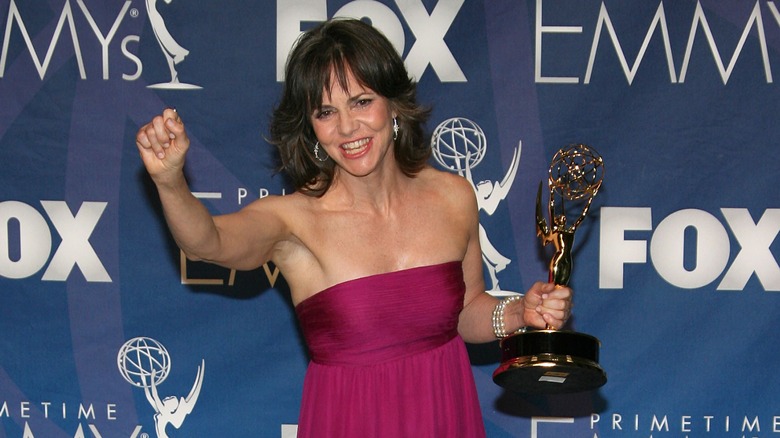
point(148, 137)
point(556, 313)
point(560, 293)
point(535, 320)
point(176, 129)
point(172, 121)
point(551, 321)
point(141, 139)
point(559, 310)
point(532, 299)
point(171, 113)
point(162, 133)
point(552, 306)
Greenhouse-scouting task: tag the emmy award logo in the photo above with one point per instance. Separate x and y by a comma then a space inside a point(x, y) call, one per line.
point(173, 52)
point(459, 145)
point(145, 363)
point(550, 360)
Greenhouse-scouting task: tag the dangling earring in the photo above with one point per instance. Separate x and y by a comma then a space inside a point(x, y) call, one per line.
point(395, 129)
point(317, 153)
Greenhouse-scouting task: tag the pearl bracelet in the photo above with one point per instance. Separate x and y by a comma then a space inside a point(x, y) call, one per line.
point(499, 326)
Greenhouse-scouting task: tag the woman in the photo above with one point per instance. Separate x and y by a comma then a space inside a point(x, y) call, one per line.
point(380, 250)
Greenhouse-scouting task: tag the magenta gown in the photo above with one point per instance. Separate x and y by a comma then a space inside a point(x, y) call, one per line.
point(387, 360)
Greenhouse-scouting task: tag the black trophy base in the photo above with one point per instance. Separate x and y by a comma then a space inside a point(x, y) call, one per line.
point(550, 362)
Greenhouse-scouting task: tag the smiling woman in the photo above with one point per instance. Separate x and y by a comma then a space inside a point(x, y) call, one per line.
point(325, 61)
point(380, 250)
point(352, 127)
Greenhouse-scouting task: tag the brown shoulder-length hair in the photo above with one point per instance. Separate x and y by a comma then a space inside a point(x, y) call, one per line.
point(342, 46)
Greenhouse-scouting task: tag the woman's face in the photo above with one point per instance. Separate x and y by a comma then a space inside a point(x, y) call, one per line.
point(354, 127)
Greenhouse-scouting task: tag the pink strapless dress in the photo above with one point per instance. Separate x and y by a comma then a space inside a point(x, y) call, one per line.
point(387, 360)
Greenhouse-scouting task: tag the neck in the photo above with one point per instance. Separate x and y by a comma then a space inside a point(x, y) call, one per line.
point(376, 191)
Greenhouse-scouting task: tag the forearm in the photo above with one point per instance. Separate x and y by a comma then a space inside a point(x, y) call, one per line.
point(475, 324)
point(189, 222)
point(163, 144)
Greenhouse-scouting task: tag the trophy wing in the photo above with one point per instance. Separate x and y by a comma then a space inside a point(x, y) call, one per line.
point(509, 178)
point(541, 224)
point(192, 397)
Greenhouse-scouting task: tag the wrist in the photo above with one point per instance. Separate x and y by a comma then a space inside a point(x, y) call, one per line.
point(173, 182)
point(504, 320)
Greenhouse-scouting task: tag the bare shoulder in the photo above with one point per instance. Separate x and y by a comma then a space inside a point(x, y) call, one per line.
point(268, 221)
point(281, 203)
point(450, 187)
point(284, 210)
point(276, 226)
point(448, 208)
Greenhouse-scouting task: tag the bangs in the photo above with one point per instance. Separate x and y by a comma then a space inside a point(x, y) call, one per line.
point(333, 71)
point(345, 52)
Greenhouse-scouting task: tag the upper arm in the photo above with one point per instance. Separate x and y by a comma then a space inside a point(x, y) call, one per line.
point(468, 210)
point(474, 323)
point(249, 237)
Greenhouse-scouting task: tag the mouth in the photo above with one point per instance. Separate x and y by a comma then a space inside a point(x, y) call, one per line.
point(355, 148)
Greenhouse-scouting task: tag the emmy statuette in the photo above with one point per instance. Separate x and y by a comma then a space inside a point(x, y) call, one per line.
point(552, 361)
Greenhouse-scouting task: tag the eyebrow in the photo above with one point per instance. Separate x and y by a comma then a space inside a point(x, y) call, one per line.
point(353, 99)
point(361, 95)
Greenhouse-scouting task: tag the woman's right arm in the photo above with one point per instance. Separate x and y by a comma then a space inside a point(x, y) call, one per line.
point(241, 240)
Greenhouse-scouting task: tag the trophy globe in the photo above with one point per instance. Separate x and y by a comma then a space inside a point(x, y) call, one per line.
point(144, 362)
point(458, 144)
point(576, 172)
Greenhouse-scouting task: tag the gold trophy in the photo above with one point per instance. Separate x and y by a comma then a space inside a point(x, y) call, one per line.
point(552, 361)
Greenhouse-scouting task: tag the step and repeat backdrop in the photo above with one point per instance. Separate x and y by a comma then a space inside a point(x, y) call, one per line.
point(107, 331)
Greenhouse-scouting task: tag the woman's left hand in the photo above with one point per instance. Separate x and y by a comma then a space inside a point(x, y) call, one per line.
point(545, 305)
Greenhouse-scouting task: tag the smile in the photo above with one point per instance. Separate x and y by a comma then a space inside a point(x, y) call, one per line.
point(355, 147)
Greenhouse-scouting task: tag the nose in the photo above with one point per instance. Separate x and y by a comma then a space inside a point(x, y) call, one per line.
point(347, 123)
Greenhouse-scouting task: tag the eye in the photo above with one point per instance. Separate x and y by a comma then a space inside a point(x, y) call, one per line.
point(363, 102)
point(323, 113)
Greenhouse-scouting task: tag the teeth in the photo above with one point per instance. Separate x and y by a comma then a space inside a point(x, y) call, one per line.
point(351, 146)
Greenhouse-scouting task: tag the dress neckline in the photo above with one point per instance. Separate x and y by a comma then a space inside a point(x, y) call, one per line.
point(413, 269)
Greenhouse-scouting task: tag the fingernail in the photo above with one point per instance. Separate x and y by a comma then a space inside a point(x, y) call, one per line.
point(161, 155)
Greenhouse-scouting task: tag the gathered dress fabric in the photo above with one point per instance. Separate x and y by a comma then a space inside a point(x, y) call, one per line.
point(387, 360)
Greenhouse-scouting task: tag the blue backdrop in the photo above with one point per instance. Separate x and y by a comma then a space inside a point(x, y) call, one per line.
point(675, 267)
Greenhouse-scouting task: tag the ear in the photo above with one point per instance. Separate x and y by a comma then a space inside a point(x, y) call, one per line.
point(393, 110)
